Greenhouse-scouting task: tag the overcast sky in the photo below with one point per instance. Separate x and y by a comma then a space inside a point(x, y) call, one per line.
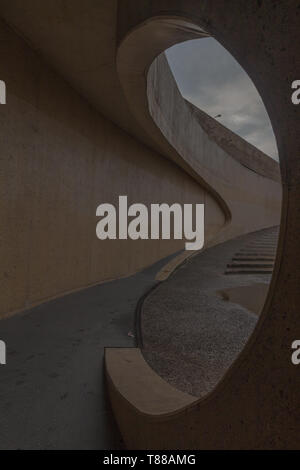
point(209, 77)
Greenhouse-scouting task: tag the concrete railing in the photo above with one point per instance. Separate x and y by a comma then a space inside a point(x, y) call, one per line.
point(239, 412)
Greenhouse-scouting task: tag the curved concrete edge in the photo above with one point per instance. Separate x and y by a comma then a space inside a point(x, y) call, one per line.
point(256, 406)
point(237, 147)
point(138, 395)
point(252, 297)
point(133, 60)
point(170, 111)
point(251, 189)
point(172, 265)
point(248, 195)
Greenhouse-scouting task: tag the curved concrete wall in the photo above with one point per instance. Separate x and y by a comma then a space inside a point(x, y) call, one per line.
point(247, 180)
point(256, 405)
point(60, 159)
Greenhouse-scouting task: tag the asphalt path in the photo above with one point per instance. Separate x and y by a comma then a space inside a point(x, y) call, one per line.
point(52, 389)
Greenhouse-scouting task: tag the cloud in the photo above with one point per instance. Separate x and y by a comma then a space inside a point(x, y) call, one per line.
point(209, 77)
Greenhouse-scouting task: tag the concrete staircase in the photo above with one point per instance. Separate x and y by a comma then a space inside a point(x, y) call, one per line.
point(257, 256)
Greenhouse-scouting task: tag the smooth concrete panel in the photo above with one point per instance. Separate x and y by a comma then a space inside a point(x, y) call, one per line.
point(60, 159)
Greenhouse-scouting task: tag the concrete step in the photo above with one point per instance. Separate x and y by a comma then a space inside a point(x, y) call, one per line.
point(249, 271)
point(259, 243)
point(262, 247)
point(257, 256)
point(257, 249)
point(257, 259)
point(249, 264)
point(253, 258)
point(257, 253)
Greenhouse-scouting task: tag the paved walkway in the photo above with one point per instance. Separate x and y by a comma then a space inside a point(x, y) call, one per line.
point(52, 393)
point(191, 335)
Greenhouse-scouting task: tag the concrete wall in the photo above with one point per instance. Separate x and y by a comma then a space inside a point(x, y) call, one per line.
point(60, 159)
point(246, 179)
point(256, 405)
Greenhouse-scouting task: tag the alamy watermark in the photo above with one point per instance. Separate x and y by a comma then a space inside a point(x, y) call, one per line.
point(152, 224)
point(296, 354)
point(2, 353)
point(2, 92)
point(296, 94)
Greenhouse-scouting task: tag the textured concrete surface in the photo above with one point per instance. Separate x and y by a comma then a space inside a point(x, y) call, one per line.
point(52, 393)
point(59, 160)
point(191, 335)
point(244, 178)
point(258, 256)
point(63, 153)
point(252, 297)
point(238, 148)
point(140, 385)
point(256, 405)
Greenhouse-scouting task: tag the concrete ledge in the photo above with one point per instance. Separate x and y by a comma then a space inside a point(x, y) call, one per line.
point(137, 394)
point(239, 413)
point(172, 265)
point(139, 385)
point(251, 297)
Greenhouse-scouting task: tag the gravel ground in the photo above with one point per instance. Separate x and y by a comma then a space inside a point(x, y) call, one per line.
point(190, 334)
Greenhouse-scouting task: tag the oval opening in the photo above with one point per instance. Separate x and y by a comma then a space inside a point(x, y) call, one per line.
point(196, 323)
point(208, 76)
